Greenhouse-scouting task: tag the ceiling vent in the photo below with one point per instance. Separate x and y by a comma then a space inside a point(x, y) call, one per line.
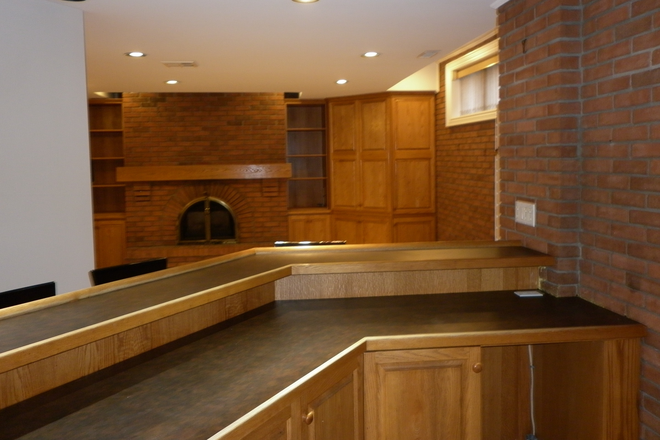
point(179, 63)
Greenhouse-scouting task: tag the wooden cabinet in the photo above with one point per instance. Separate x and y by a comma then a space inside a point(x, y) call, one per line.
point(382, 164)
point(423, 394)
point(108, 199)
point(309, 225)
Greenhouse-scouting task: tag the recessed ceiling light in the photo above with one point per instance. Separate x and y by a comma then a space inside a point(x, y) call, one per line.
point(370, 54)
point(171, 82)
point(135, 54)
point(341, 82)
point(305, 1)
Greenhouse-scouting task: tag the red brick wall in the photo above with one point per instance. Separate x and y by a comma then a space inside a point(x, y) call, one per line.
point(465, 158)
point(539, 130)
point(195, 129)
point(582, 140)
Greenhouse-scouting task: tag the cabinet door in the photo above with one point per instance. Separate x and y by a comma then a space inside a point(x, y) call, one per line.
point(315, 227)
point(332, 404)
point(109, 242)
point(277, 427)
point(423, 394)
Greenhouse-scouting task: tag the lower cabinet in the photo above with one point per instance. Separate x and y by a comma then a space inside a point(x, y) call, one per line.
point(109, 240)
point(582, 390)
point(423, 394)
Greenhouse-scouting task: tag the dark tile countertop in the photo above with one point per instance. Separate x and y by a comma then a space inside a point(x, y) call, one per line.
point(197, 389)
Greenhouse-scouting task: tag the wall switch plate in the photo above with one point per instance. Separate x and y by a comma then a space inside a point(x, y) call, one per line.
point(526, 213)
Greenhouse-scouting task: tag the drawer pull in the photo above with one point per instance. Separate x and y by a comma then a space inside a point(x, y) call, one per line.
point(308, 418)
point(477, 368)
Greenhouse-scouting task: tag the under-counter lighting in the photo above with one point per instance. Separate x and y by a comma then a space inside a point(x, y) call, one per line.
point(135, 54)
point(171, 82)
point(341, 82)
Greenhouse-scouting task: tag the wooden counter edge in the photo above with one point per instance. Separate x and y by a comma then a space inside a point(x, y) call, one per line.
point(402, 266)
point(506, 337)
point(63, 298)
point(42, 349)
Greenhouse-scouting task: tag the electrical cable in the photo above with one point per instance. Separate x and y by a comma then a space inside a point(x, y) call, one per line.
point(531, 390)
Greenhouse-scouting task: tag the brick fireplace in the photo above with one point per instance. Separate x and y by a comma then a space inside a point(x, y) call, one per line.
point(178, 130)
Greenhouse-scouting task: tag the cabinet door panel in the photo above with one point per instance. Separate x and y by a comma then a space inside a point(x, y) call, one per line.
point(375, 185)
point(422, 394)
point(414, 123)
point(342, 127)
point(347, 229)
point(109, 242)
point(344, 184)
point(374, 125)
point(335, 412)
point(413, 185)
point(376, 231)
point(332, 404)
point(414, 230)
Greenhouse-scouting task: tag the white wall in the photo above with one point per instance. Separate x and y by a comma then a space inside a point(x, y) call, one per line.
point(46, 231)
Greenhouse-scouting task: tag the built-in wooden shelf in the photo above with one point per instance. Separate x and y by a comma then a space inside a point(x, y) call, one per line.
point(203, 172)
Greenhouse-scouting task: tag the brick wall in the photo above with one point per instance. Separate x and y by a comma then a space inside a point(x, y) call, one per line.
point(581, 137)
point(196, 129)
point(465, 158)
point(539, 130)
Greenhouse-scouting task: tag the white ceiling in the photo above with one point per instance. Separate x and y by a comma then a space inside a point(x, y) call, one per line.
point(272, 45)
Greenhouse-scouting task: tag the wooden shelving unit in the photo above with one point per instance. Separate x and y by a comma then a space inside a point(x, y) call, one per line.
point(306, 152)
point(108, 198)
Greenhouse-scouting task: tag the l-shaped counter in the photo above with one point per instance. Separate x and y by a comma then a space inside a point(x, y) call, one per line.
point(197, 351)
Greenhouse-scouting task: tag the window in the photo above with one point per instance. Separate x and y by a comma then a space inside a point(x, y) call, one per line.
point(472, 86)
point(207, 220)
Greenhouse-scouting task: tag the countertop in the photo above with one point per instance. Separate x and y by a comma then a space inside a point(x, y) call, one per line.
point(196, 390)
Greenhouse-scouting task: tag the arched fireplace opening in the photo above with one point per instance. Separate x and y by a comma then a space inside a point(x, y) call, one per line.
point(207, 220)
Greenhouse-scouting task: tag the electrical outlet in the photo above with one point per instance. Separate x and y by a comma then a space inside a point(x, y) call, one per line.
point(526, 213)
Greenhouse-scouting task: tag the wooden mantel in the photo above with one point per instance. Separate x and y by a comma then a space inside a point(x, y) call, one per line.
point(203, 172)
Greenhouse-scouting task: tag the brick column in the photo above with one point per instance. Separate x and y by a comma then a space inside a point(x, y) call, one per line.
point(540, 47)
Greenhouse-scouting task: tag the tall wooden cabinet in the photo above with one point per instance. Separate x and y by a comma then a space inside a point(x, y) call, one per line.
point(107, 153)
point(382, 167)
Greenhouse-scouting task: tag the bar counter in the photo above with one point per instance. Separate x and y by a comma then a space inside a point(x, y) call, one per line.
point(196, 390)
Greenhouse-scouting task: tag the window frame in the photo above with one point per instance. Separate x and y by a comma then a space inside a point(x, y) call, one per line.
point(482, 53)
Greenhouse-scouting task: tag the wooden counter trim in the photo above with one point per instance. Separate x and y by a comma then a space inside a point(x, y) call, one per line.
point(117, 285)
point(425, 245)
point(203, 172)
point(16, 358)
point(405, 266)
point(505, 337)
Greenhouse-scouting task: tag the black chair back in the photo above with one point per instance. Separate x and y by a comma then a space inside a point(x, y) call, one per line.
point(26, 294)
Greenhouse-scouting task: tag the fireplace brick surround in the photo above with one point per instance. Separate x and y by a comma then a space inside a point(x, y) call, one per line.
point(203, 129)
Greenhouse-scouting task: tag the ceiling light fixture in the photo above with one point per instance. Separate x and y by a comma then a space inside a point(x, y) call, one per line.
point(370, 54)
point(135, 54)
point(341, 82)
point(305, 1)
point(171, 82)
